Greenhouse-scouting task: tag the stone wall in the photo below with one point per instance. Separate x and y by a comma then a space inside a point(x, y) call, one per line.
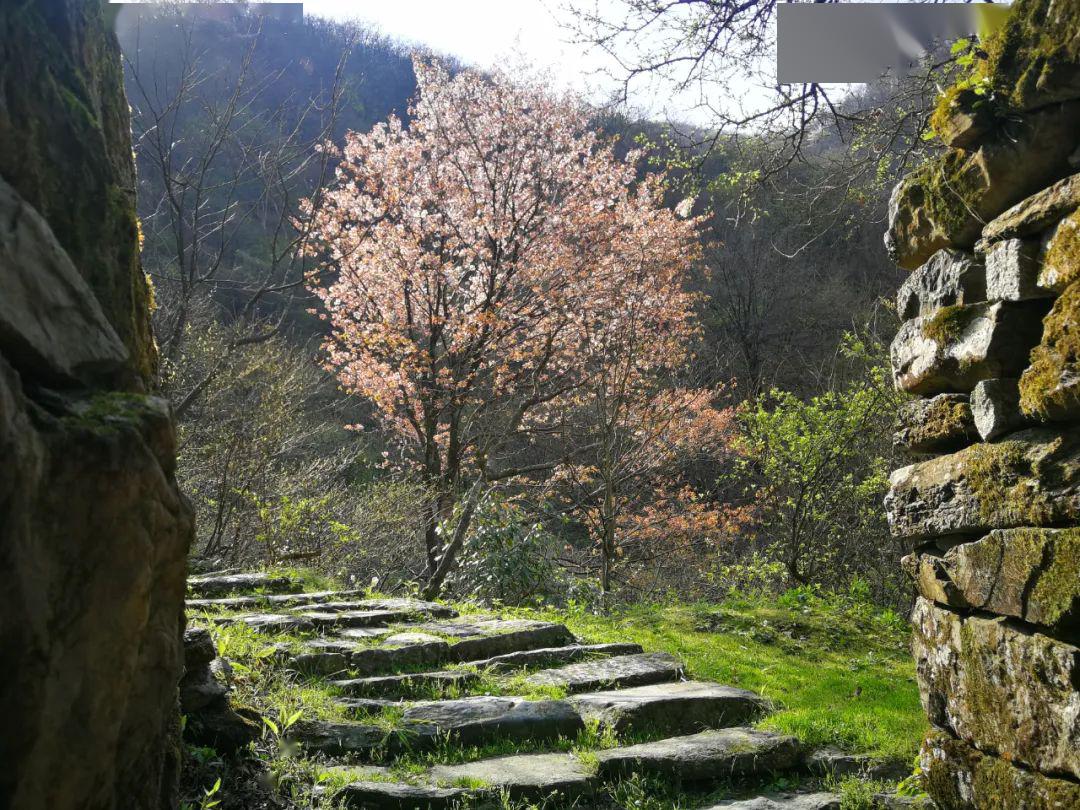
point(991, 349)
point(93, 531)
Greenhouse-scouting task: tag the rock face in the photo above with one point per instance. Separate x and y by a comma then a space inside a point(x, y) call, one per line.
point(995, 524)
point(93, 532)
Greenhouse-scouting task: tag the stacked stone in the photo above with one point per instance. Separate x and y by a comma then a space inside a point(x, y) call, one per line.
point(991, 348)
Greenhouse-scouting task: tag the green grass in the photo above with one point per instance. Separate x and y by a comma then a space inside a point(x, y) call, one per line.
point(839, 673)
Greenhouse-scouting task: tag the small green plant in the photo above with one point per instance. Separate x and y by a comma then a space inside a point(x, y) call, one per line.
point(207, 801)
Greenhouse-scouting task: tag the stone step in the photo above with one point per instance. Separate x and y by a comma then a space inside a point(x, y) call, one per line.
point(549, 656)
point(278, 600)
point(396, 652)
point(671, 708)
point(524, 777)
point(331, 620)
point(268, 622)
point(479, 638)
point(785, 801)
point(406, 684)
point(704, 757)
point(340, 739)
point(427, 724)
point(383, 795)
point(477, 720)
point(617, 672)
point(206, 586)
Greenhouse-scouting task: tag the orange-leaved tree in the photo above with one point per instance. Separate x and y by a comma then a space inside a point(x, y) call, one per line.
point(471, 246)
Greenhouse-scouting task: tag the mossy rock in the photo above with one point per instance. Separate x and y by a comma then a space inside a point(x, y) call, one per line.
point(1031, 478)
point(947, 201)
point(1000, 687)
point(1027, 573)
point(1050, 387)
point(960, 777)
point(940, 423)
point(1034, 59)
point(1061, 260)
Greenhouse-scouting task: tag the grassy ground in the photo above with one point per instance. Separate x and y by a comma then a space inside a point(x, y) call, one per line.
point(840, 672)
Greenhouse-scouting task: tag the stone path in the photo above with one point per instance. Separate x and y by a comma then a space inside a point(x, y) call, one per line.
point(409, 673)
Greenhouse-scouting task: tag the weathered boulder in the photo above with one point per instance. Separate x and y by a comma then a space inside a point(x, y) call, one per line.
point(382, 795)
point(948, 278)
point(1031, 574)
point(1012, 271)
point(960, 777)
point(937, 424)
point(995, 408)
point(1001, 688)
point(1050, 387)
point(1031, 478)
point(960, 345)
point(946, 202)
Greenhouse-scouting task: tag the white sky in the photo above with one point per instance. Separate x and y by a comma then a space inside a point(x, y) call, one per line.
point(484, 33)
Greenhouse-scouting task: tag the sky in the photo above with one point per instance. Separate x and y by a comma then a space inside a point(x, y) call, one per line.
point(484, 33)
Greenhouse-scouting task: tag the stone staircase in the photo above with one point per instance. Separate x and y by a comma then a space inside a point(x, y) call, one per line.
point(420, 661)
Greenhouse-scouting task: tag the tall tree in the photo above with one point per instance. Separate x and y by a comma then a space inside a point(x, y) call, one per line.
point(470, 248)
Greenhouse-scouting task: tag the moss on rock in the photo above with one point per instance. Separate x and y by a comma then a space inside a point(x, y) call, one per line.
point(1034, 59)
point(1050, 387)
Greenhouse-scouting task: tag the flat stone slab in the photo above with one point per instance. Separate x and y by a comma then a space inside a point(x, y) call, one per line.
point(784, 801)
point(619, 671)
point(704, 757)
point(379, 795)
point(366, 633)
point(524, 776)
point(398, 651)
point(476, 720)
point(269, 622)
point(484, 638)
point(406, 684)
point(671, 708)
point(337, 739)
point(205, 586)
point(360, 618)
point(279, 600)
point(549, 656)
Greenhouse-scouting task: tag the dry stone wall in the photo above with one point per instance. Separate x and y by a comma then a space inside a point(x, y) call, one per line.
point(991, 350)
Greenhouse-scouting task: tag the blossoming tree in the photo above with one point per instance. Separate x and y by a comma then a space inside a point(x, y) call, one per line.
point(475, 250)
